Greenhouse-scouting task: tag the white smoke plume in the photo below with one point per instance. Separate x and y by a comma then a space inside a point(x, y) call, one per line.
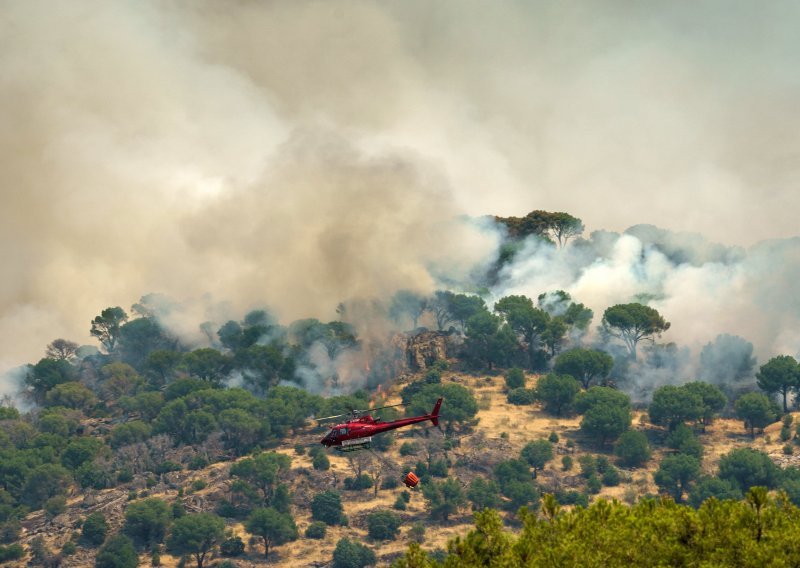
point(299, 154)
point(704, 290)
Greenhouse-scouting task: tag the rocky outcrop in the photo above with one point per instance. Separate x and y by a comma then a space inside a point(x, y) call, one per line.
point(422, 349)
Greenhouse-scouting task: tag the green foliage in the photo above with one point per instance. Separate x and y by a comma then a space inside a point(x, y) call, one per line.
point(207, 364)
point(178, 510)
point(586, 365)
point(755, 410)
point(166, 467)
point(43, 483)
point(263, 472)
point(320, 462)
point(234, 546)
point(553, 438)
point(9, 413)
point(593, 484)
point(182, 387)
point(606, 413)
point(241, 431)
point(438, 468)
point(55, 506)
point(139, 338)
point(409, 449)
point(527, 321)
point(746, 468)
point(117, 552)
point(349, 554)
point(632, 448)
point(459, 408)
point(515, 378)
point(684, 440)
point(708, 486)
point(676, 473)
point(557, 392)
point(119, 380)
point(714, 400)
point(383, 525)
point(611, 477)
point(106, 327)
point(632, 323)
point(274, 528)
point(130, 433)
point(79, 451)
point(146, 521)
point(489, 342)
point(46, 375)
point(71, 395)
point(327, 507)
point(566, 463)
point(11, 552)
point(537, 454)
point(557, 227)
point(521, 397)
point(573, 498)
point(514, 479)
point(316, 530)
point(195, 534)
point(483, 494)
point(263, 366)
point(444, 498)
point(358, 483)
point(160, 366)
point(759, 532)
point(588, 465)
point(673, 405)
point(780, 374)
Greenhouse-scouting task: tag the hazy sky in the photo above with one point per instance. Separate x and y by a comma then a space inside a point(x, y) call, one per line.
point(299, 153)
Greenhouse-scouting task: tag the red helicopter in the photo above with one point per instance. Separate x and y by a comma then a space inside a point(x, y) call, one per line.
point(356, 434)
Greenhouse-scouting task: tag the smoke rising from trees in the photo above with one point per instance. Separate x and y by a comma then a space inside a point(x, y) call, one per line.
point(301, 154)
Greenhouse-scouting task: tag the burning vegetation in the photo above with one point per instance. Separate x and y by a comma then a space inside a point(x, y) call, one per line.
point(157, 440)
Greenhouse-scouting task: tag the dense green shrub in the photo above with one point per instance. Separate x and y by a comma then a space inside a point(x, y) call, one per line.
point(232, 547)
point(316, 530)
point(521, 396)
point(383, 525)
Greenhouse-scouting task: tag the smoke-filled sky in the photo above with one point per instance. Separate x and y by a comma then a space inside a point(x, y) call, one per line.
point(301, 153)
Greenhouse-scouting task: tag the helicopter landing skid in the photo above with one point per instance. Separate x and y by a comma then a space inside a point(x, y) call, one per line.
point(355, 445)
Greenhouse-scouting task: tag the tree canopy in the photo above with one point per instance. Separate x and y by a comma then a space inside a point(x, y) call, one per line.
point(274, 528)
point(196, 534)
point(673, 405)
point(586, 365)
point(780, 374)
point(755, 410)
point(632, 323)
point(606, 413)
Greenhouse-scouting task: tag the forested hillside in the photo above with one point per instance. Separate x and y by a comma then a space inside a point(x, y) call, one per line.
point(161, 447)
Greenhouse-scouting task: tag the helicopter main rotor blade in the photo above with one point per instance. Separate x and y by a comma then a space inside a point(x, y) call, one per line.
point(382, 407)
point(333, 417)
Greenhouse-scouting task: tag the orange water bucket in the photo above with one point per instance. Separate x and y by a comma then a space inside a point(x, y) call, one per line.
point(410, 479)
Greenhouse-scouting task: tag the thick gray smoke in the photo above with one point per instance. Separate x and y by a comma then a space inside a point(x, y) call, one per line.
point(707, 291)
point(303, 153)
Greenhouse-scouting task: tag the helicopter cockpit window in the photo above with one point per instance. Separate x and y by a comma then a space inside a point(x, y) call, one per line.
point(343, 431)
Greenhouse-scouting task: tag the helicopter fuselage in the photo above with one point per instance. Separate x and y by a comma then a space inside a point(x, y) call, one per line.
point(358, 432)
